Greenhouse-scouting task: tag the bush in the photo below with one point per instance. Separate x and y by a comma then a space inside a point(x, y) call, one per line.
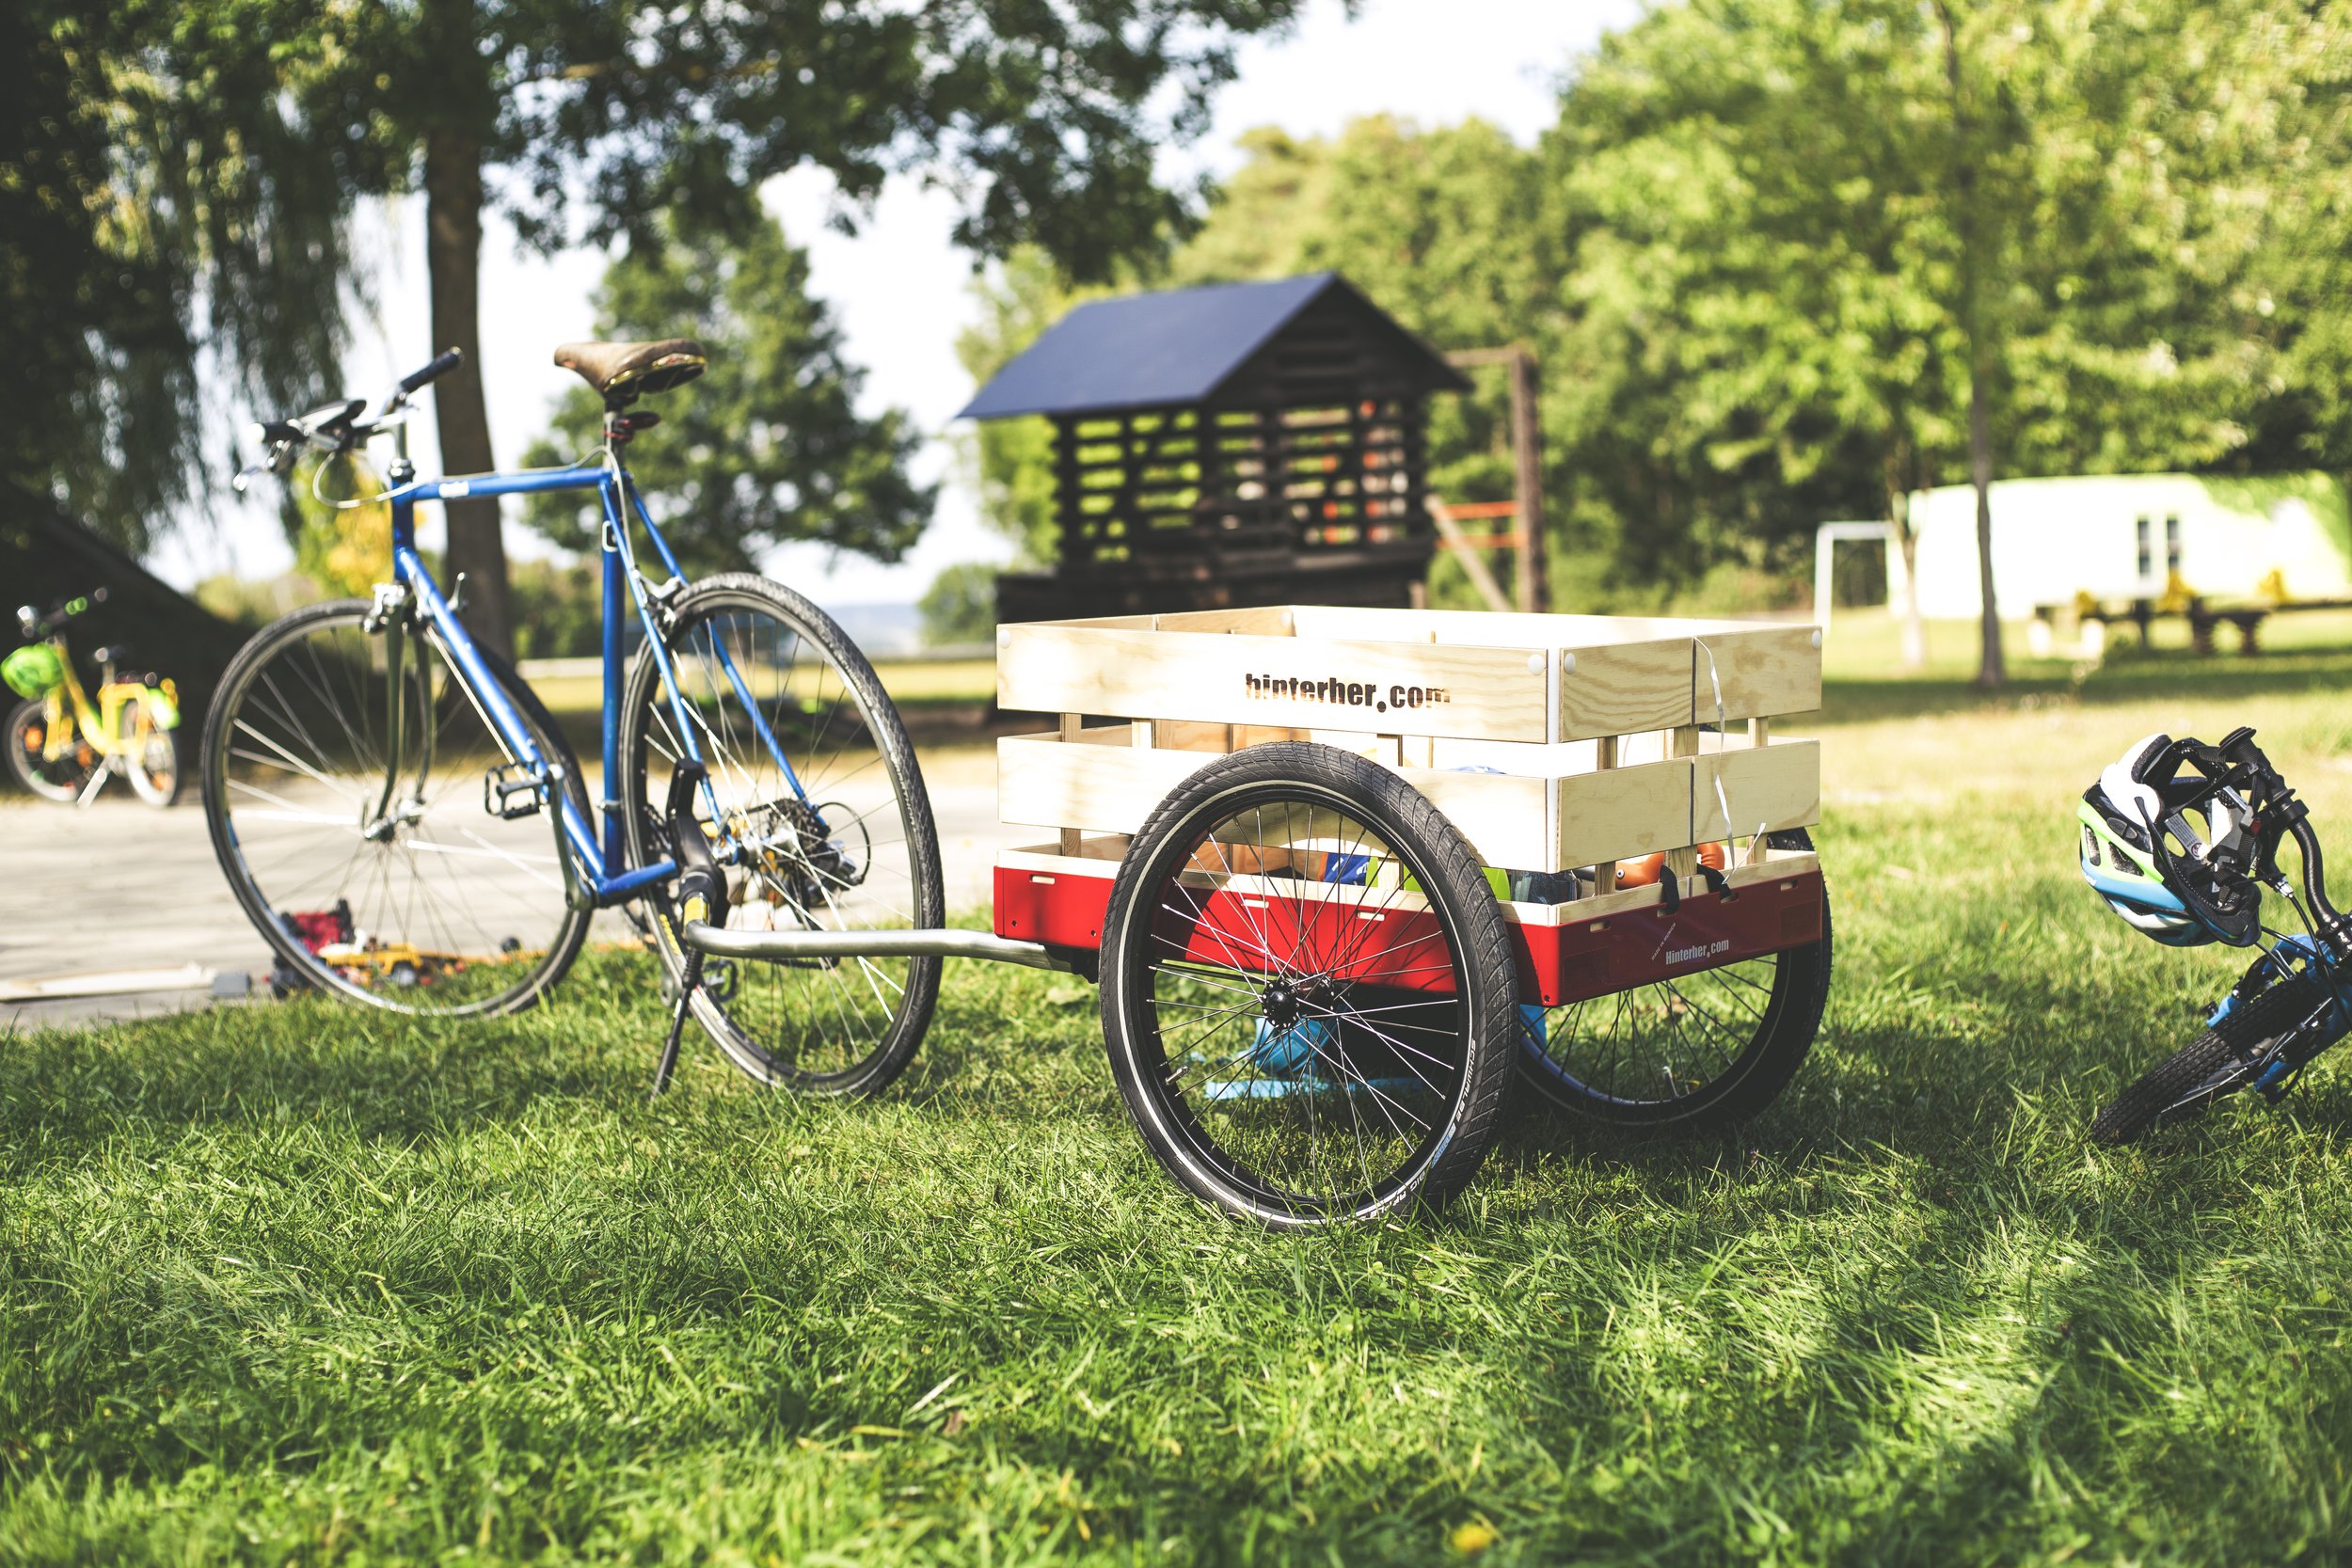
point(960, 605)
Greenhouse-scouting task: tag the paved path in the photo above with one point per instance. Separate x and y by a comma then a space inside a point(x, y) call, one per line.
point(122, 886)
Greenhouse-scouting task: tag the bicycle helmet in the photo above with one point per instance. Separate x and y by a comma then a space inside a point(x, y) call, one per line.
point(2169, 852)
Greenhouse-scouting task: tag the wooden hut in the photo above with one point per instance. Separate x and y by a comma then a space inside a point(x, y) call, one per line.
point(1234, 445)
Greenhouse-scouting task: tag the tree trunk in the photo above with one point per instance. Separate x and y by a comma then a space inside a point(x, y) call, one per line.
point(1992, 672)
point(1967, 226)
point(1899, 488)
point(453, 216)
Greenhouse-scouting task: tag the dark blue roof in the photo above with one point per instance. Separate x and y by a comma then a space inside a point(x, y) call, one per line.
point(1177, 347)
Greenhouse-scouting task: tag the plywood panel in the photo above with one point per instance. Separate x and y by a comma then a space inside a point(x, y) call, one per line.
point(1621, 688)
point(1763, 669)
point(1777, 786)
point(1042, 782)
point(1268, 620)
point(1395, 689)
point(1621, 812)
point(1503, 816)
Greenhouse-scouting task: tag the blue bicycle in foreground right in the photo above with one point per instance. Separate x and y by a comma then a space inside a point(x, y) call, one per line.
point(406, 825)
point(2180, 838)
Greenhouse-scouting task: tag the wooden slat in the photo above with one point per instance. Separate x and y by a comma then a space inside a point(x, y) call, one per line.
point(1764, 670)
point(1627, 689)
point(1620, 813)
point(1266, 621)
point(1485, 692)
point(1042, 782)
point(1777, 786)
point(1502, 815)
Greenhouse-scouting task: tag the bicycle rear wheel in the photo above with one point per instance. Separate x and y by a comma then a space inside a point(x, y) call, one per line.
point(151, 755)
point(61, 777)
point(822, 825)
point(393, 886)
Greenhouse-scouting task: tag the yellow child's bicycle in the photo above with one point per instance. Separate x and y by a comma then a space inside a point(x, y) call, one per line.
point(62, 746)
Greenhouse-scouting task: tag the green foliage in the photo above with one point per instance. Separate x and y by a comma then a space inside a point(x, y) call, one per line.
point(1012, 460)
point(767, 447)
point(342, 538)
point(187, 167)
point(160, 195)
point(960, 605)
point(558, 609)
point(1772, 248)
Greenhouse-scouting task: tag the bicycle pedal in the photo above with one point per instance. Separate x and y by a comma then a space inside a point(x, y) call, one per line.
point(512, 790)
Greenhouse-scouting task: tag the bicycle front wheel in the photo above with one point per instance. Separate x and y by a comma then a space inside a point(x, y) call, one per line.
point(343, 774)
point(2223, 1058)
point(822, 824)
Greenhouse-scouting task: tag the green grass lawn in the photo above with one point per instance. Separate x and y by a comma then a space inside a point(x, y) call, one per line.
point(292, 1284)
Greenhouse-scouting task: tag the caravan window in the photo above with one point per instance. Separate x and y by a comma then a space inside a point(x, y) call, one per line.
point(2146, 549)
point(2171, 544)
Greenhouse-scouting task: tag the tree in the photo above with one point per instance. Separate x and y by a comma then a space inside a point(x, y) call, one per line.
point(960, 605)
point(767, 447)
point(159, 196)
point(588, 119)
point(1827, 249)
point(1011, 461)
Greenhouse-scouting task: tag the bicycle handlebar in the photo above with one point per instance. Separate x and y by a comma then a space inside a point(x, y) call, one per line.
point(442, 364)
point(337, 427)
point(36, 625)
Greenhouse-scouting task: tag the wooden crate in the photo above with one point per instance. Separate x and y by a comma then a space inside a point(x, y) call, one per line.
point(1552, 741)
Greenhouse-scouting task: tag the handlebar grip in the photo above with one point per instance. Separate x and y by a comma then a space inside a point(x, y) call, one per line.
point(267, 433)
point(442, 364)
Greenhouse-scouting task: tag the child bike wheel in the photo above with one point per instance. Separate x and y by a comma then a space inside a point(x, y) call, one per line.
point(2219, 1061)
point(391, 887)
point(826, 827)
point(1692, 1054)
point(61, 778)
point(151, 755)
point(1306, 990)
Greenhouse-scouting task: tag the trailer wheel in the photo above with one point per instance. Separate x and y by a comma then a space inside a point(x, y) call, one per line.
point(1308, 992)
point(1692, 1054)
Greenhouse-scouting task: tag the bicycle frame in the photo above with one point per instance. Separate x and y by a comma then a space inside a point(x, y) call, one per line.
point(598, 870)
point(100, 723)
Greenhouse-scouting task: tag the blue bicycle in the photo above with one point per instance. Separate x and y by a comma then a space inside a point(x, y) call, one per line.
point(407, 827)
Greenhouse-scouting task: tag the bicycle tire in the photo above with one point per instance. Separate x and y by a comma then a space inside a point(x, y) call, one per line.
point(2217, 1063)
point(252, 663)
point(36, 774)
point(821, 1037)
point(1786, 1018)
point(1252, 1141)
point(143, 781)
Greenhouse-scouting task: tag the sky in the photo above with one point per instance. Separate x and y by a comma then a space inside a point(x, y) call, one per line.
point(898, 288)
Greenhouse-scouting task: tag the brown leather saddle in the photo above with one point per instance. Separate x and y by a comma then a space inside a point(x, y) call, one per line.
point(625, 371)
